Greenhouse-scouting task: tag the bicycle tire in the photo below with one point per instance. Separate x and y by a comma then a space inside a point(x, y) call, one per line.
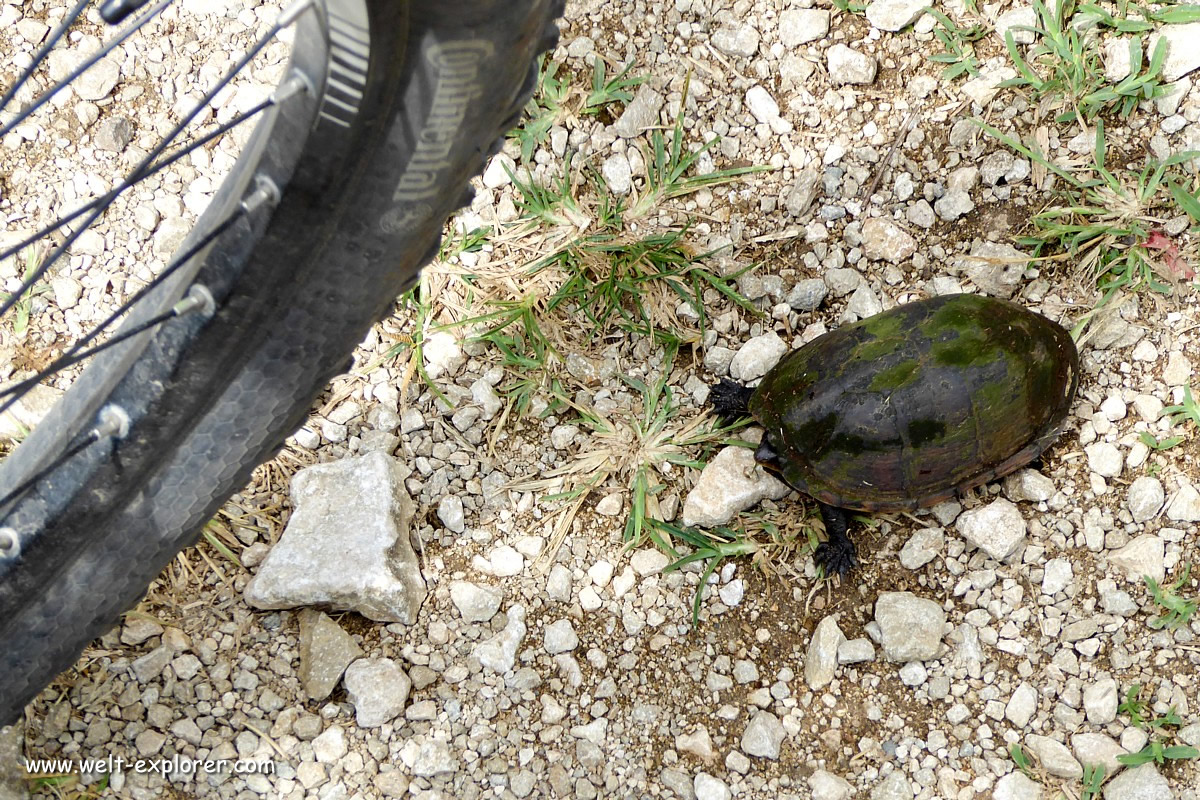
point(414, 96)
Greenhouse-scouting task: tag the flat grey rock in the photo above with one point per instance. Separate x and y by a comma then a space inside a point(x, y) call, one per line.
point(997, 529)
point(731, 482)
point(475, 603)
point(499, 653)
point(378, 689)
point(910, 626)
point(346, 544)
point(1145, 555)
point(799, 26)
point(821, 660)
point(892, 15)
point(1140, 783)
point(827, 786)
point(850, 66)
point(884, 240)
point(1145, 497)
point(922, 547)
point(896, 786)
point(640, 114)
point(1017, 786)
point(325, 652)
point(763, 736)
point(1054, 756)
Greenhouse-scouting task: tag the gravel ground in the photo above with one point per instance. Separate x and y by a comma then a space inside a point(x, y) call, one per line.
point(542, 658)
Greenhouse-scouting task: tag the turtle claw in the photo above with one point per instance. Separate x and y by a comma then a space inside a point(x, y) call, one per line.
point(836, 557)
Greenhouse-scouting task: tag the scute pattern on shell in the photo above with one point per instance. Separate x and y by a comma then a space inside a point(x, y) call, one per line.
point(909, 407)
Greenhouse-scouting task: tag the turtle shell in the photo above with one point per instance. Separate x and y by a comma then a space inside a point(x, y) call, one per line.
point(909, 407)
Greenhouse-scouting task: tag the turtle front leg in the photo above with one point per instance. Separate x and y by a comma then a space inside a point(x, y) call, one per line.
point(836, 555)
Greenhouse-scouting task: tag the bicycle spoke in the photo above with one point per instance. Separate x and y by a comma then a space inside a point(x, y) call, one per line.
point(60, 32)
point(287, 90)
point(82, 68)
point(284, 19)
point(113, 424)
point(77, 353)
point(193, 302)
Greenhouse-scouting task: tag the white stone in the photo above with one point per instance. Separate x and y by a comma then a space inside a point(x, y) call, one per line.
point(97, 82)
point(1179, 369)
point(708, 787)
point(821, 660)
point(506, 562)
point(757, 356)
point(1104, 459)
point(892, 15)
point(884, 240)
point(1057, 576)
point(1016, 786)
point(997, 529)
point(766, 110)
point(499, 653)
point(864, 303)
point(799, 26)
point(1096, 748)
point(1113, 408)
point(1023, 16)
point(443, 355)
point(1054, 756)
point(378, 689)
point(1022, 705)
point(910, 627)
point(763, 736)
point(1139, 783)
point(601, 573)
point(618, 174)
point(731, 593)
point(1100, 701)
point(983, 88)
point(475, 603)
point(741, 41)
point(497, 172)
point(560, 637)
point(1114, 53)
point(330, 747)
point(67, 292)
point(558, 584)
point(450, 512)
point(849, 66)
point(827, 786)
point(1145, 498)
point(1185, 505)
point(855, 651)
point(1142, 556)
point(1183, 49)
point(731, 482)
point(589, 599)
point(922, 547)
point(611, 505)
point(649, 561)
point(1030, 485)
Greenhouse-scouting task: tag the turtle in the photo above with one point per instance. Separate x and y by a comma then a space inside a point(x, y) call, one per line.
point(909, 407)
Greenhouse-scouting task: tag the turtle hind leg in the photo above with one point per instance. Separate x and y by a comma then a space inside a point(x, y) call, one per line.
point(730, 400)
point(837, 554)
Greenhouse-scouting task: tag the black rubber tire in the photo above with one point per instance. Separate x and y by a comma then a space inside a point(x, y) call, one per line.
point(360, 214)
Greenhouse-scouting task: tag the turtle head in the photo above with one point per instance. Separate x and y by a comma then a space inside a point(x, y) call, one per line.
point(766, 454)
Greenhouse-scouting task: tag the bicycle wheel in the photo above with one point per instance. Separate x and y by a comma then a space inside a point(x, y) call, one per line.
point(336, 201)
